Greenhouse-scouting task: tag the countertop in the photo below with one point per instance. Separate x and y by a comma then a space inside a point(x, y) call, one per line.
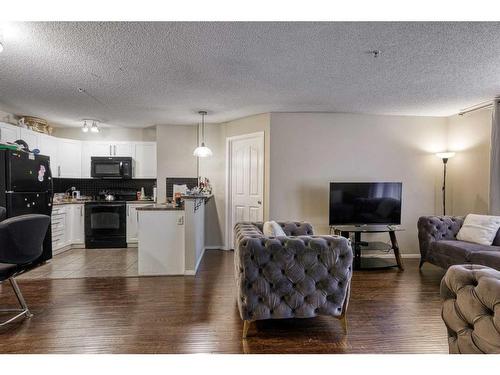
point(83, 202)
point(197, 196)
point(159, 207)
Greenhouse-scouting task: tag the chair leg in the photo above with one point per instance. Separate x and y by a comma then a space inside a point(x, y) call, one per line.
point(246, 326)
point(24, 307)
point(20, 297)
point(343, 321)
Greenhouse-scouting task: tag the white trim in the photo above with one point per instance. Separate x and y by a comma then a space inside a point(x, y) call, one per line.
point(227, 226)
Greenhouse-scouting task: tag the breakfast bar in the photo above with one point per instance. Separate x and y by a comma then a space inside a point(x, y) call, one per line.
point(172, 239)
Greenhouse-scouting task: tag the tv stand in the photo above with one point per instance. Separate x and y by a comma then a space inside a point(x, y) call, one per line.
point(360, 263)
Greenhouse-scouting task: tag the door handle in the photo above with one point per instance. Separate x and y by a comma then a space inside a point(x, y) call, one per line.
point(128, 210)
point(114, 147)
point(259, 202)
point(58, 171)
point(81, 211)
point(110, 150)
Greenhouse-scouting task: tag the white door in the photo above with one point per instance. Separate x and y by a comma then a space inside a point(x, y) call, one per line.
point(69, 157)
point(8, 133)
point(246, 179)
point(145, 160)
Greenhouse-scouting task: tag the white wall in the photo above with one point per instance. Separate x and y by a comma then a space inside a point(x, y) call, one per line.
point(308, 150)
point(469, 171)
point(108, 134)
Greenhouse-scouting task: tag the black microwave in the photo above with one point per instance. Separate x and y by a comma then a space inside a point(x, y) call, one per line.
point(111, 167)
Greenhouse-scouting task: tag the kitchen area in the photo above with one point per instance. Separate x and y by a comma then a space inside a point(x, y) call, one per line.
point(107, 220)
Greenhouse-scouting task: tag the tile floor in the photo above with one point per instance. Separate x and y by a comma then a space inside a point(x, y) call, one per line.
point(81, 263)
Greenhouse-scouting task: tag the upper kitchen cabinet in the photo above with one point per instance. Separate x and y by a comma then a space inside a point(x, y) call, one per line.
point(69, 157)
point(48, 146)
point(110, 148)
point(9, 133)
point(30, 137)
point(145, 160)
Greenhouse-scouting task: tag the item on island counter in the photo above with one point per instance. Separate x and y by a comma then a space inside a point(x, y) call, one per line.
point(143, 195)
point(178, 199)
point(76, 194)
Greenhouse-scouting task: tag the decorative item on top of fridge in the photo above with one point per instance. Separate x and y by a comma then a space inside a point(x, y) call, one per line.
point(204, 186)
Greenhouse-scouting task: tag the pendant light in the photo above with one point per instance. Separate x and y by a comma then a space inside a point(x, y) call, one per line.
point(202, 151)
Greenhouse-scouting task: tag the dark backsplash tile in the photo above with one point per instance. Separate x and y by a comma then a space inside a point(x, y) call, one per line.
point(92, 186)
point(191, 182)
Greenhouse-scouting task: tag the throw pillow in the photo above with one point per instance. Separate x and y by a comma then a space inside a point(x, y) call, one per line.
point(272, 229)
point(480, 229)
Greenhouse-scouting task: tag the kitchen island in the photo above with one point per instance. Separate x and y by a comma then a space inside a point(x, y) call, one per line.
point(172, 239)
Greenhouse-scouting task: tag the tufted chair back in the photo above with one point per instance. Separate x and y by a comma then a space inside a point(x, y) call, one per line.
point(471, 309)
point(300, 275)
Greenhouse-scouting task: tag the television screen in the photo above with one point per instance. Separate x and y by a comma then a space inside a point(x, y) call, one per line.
point(359, 203)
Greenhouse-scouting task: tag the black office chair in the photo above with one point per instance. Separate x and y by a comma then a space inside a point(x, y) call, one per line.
point(21, 241)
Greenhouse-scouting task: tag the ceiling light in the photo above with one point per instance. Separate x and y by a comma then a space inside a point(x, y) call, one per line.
point(94, 128)
point(85, 127)
point(202, 151)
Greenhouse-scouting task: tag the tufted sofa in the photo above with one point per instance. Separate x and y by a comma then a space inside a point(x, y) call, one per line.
point(471, 309)
point(297, 276)
point(437, 236)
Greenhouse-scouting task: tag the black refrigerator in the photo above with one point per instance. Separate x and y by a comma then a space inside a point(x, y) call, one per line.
point(26, 188)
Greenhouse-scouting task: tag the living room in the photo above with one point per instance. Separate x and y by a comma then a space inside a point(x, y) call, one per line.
point(268, 186)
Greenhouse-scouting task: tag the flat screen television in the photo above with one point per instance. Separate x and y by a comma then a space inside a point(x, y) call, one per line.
point(365, 203)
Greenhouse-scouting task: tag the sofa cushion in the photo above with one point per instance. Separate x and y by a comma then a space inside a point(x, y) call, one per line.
point(461, 249)
point(272, 229)
point(480, 229)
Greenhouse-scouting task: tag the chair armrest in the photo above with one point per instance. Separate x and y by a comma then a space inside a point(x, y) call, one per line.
point(435, 228)
point(21, 238)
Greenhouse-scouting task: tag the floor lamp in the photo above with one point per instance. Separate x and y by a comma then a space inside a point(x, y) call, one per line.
point(444, 156)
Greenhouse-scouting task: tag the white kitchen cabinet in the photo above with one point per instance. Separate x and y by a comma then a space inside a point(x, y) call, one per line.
point(100, 149)
point(77, 223)
point(69, 158)
point(61, 237)
point(123, 149)
point(30, 137)
point(132, 223)
point(48, 146)
point(8, 132)
point(145, 160)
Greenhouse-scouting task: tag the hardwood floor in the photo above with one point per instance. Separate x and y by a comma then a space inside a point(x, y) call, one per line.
point(390, 312)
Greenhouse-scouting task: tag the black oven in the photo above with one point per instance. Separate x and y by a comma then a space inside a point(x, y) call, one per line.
point(111, 167)
point(105, 224)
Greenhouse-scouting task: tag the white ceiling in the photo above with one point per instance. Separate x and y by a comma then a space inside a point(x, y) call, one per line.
point(142, 74)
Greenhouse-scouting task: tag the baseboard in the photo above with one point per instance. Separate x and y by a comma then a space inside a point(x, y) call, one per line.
point(214, 248)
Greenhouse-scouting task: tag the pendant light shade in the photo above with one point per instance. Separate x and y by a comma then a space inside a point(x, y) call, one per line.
point(202, 151)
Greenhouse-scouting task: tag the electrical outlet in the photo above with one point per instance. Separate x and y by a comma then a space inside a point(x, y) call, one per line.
point(180, 220)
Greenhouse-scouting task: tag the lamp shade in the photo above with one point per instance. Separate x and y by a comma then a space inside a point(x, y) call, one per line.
point(202, 151)
point(445, 155)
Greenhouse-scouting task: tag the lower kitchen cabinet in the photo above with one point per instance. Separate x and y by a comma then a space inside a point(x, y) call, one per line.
point(77, 224)
point(68, 226)
point(132, 223)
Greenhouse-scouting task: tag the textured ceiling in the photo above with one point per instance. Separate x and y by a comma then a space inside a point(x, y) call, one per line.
point(142, 74)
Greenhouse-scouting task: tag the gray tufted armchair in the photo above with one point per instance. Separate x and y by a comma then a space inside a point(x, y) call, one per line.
point(471, 309)
point(297, 276)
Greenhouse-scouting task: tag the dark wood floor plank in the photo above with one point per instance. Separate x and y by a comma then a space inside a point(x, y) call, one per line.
point(390, 312)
